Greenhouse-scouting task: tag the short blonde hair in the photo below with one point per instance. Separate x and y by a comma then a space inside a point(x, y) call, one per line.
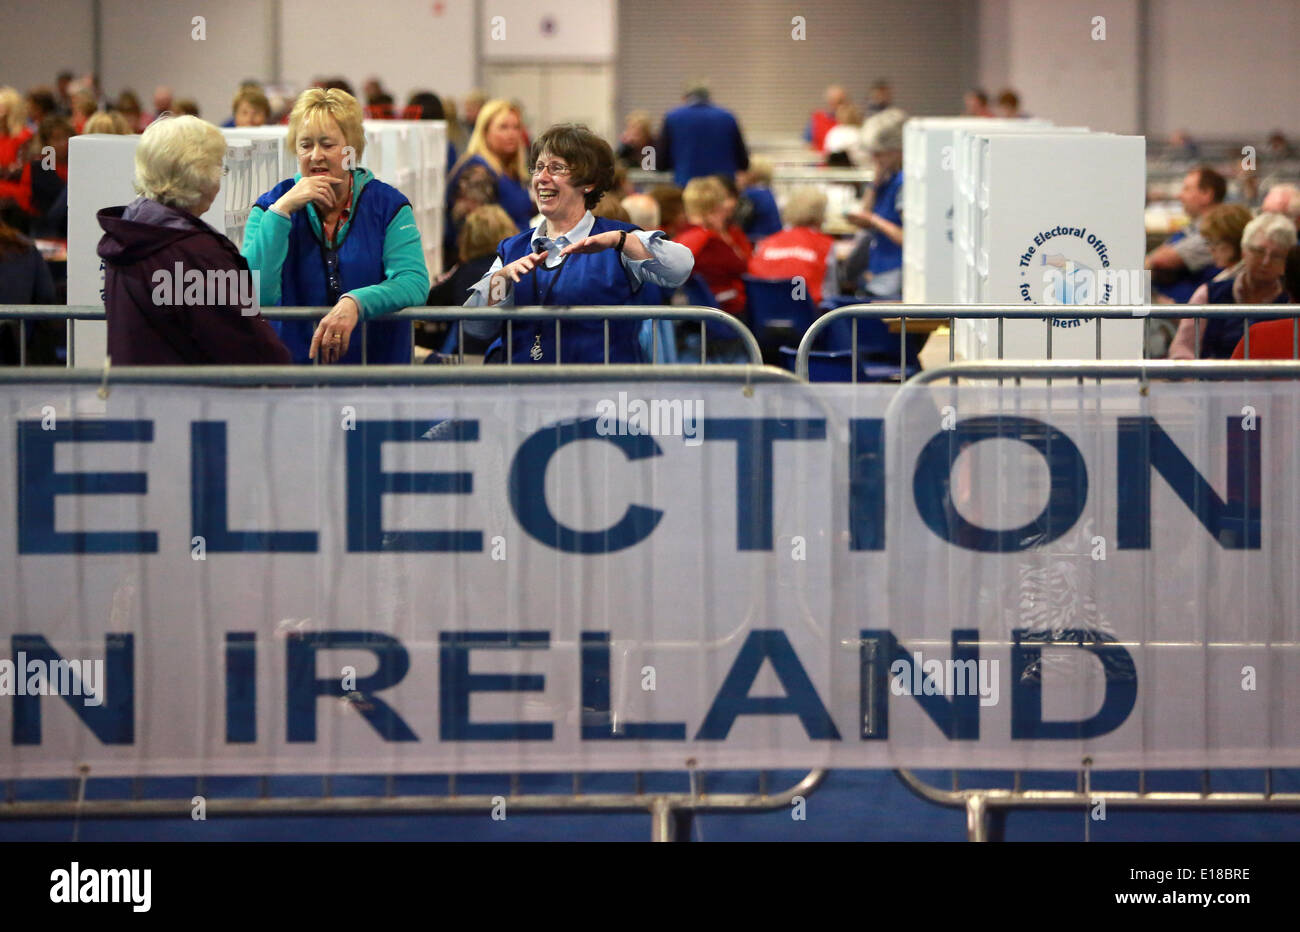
point(107, 121)
point(314, 104)
point(179, 160)
point(806, 207)
point(483, 229)
point(643, 210)
point(1274, 228)
point(1225, 222)
point(15, 110)
point(641, 120)
point(760, 170)
point(703, 195)
point(254, 97)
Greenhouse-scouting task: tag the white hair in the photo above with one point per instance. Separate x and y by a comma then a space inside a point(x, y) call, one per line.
point(883, 131)
point(1272, 228)
point(178, 161)
point(1291, 193)
point(806, 207)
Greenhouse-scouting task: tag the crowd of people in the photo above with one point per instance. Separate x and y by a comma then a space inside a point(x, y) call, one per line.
point(551, 221)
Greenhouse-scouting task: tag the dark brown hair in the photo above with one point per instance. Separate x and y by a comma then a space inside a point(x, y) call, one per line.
point(1208, 178)
point(590, 158)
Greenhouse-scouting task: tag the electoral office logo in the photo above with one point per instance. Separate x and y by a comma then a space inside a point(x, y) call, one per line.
point(1066, 265)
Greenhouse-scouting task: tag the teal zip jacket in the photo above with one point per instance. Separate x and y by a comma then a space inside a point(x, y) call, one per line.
point(378, 260)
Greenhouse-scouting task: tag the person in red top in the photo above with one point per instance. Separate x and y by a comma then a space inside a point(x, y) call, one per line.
point(721, 250)
point(821, 122)
point(38, 184)
point(801, 249)
point(14, 133)
point(1276, 339)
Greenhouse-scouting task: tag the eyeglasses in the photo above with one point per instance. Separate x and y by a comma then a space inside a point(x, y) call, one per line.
point(555, 169)
point(1268, 255)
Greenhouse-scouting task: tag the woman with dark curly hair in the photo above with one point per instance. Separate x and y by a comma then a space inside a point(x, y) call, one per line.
point(576, 258)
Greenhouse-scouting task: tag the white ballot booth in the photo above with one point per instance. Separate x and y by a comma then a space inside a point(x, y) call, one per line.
point(929, 193)
point(410, 155)
point(1050, 218)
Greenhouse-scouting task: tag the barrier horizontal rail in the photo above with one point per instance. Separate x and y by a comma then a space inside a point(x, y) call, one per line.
point(289, 376)
point(1086, 369)
point(1044, 313)
point(665, 809)
point(508, 316)
point(981, 803)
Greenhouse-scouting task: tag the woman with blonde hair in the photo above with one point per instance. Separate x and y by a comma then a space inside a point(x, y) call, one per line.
point(497, 142)
point(109, 122)
point(334, 236)
point(14, 134)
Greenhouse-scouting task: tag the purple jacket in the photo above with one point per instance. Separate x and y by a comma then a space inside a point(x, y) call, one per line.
point(177, 318)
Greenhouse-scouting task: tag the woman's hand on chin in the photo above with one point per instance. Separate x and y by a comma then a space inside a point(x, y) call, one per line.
point(316, 189)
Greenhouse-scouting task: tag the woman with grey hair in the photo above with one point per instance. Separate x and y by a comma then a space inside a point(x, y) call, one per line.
point(881, 214)
point(176, 291)
point(1264, 246)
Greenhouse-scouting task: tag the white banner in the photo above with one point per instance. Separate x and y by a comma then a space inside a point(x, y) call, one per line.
point(647, 576)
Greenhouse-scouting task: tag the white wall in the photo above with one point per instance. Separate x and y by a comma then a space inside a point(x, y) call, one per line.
point(1216, 69)
point(558, 30)
point(1062, 73)
point(40, 40)
point(1220, 69)
point(410, 44)
point(151, 42)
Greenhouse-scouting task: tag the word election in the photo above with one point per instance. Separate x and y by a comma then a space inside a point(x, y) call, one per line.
point(1142, 448)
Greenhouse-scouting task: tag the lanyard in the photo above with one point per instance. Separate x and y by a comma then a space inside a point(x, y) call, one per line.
point(555, 277)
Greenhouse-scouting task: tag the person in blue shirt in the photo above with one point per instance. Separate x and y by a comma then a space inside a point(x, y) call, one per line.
point(763, 217)
point(334, 236)
point(573, 258)
point(882, 208)
point(1183, 262)
point(497, 144)
point(699, 138)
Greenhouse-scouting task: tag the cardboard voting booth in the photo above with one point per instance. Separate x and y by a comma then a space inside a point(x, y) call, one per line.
point(1055, 219)
point(929, 195)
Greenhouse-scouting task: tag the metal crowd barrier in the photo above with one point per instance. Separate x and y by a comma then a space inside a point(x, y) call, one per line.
point(1003, 312)
point(671, 812)
point(984, 806)
point(509, 316)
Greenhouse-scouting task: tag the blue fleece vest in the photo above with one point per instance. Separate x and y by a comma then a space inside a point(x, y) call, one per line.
point(886, 255)
point(1221, 335)
point(579, 280)
point(306, 279)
